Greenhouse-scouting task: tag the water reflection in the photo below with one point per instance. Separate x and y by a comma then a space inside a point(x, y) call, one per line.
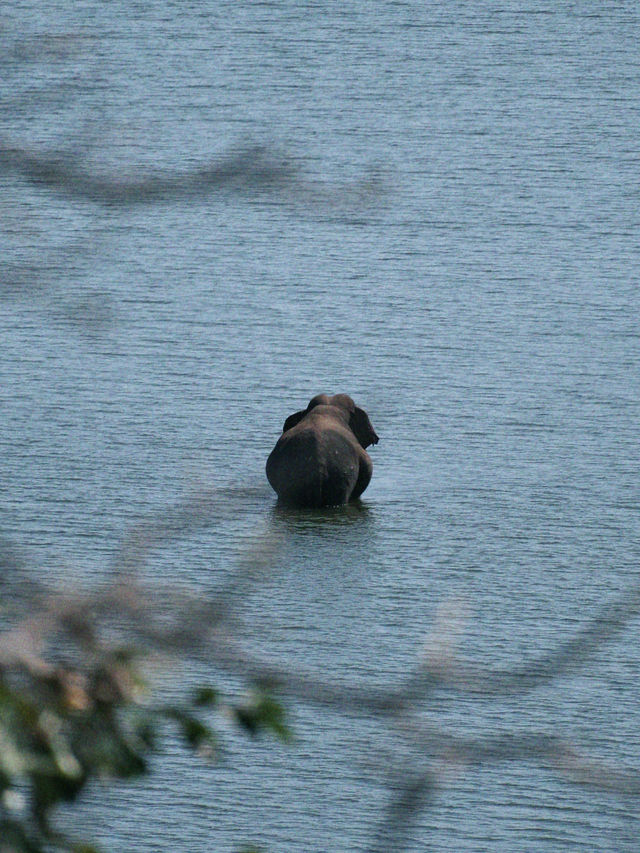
point(296, 519)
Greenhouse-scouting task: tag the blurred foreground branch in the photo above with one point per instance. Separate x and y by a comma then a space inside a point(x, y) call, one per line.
point(70, 681)
point(248, 168)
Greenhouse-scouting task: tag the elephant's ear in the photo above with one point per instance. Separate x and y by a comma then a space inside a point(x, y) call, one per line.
point(361, 427)
point(292, 420)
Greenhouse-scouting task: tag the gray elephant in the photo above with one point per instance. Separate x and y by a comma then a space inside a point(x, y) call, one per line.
point(320, 459)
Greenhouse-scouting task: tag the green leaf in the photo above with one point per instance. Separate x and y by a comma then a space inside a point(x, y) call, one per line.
point(5, 781)
point(15, 839)
point(125, 654)
point(106, 748)
point(205, 696)
point(195, 732)
point(145, 731)
point(246, 718)
point(263, 714)
point(49, 790)
point(273, 718)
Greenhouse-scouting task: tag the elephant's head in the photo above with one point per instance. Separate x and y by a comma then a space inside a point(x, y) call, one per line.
point(346, 410)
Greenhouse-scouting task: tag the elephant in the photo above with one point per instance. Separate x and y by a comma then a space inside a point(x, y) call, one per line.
point(321, 459)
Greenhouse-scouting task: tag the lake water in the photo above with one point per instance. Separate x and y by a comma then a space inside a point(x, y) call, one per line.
point(482, 303)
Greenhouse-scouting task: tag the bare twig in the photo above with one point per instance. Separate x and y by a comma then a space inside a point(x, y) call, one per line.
point(250, 168)
point(205, 628)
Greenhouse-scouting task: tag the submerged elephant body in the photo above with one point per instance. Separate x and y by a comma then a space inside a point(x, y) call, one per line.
point(320, 459)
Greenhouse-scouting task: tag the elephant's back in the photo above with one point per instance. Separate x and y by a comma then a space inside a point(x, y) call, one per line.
point(312, 468)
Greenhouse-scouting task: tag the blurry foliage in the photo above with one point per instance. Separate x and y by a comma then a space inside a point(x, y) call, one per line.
point(64, 725)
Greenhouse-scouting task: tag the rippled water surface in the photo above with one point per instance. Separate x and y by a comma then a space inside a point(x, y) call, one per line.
point(480, 300)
